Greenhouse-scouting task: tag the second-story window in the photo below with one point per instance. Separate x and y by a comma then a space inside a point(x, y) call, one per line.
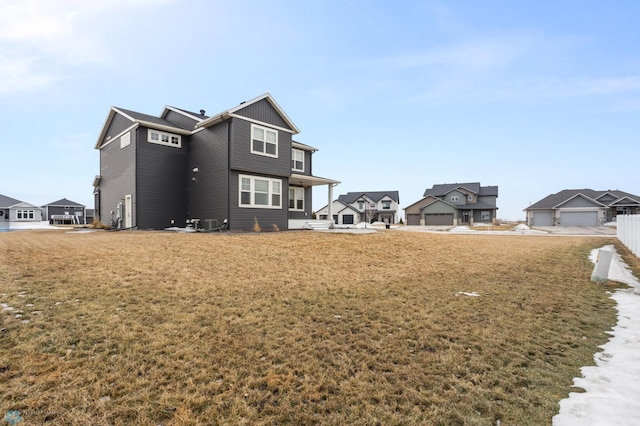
point(386, 205)
point(264, 141)
point(162, 138)
point(455, 198)
point(297, 160)
point(360, 204)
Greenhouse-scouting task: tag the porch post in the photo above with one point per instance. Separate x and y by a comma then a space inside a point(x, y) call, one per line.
point(330, 201)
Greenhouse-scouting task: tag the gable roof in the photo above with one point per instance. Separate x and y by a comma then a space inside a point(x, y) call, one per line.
point(8, 202)
point(440, 190)
point(221, 116)
point(190, 114)
point(580, 195)
point(64, 203)
point(553, 200)
point(141, 119)
point(352, 197)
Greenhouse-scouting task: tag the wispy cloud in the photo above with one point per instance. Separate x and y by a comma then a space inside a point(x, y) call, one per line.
point(39, 38)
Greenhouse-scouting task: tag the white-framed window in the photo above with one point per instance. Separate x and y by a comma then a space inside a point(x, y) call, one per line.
point(455, 198)
point(296, 198)
point(360, 204)
point(25, 214)
point(469, 197)
point(256, 191)
point(297, 160)
point(125, 140)
point(485, 215)
point(163, 138)
point(386, 205)
point(264, 141)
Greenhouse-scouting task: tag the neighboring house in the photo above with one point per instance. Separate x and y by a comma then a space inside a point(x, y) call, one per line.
point(241, 165)
point(356, 207)
point(581, 207)
point(454, 204)
point(65, 212)
point(14, 211)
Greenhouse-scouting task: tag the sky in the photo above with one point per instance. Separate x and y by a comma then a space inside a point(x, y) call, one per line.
point(532, 96)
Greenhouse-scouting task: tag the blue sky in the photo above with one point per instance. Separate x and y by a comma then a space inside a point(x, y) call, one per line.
point(532, 96)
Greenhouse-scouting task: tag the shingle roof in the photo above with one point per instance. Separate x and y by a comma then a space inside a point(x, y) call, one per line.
point(150, 118)
point(6, 202)
point(352, 197)
point(442, 189)
point(64, 202)
point(550, 201)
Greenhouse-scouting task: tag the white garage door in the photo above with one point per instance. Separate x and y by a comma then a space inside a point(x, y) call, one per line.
point(542, 219)
point(579, 218)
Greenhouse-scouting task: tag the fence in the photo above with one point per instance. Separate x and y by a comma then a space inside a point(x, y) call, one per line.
point(628, 231)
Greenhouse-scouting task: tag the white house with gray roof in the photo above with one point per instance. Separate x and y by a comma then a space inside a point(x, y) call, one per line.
point(581, 207)
point(454, 204)
point(356, 207)
point(14, 213)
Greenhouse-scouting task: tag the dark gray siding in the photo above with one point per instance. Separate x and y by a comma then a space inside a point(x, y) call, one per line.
point(263, 111)
point(243, 218)
point(208, 194)
point(117, 177)
point(477, 216)
point(243, 160)
point(118, 125)
point(161, 183)
point(61, 210)
point(180, 120)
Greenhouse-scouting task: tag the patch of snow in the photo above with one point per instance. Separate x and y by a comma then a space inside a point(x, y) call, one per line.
point(611, 387)
point(464, 293)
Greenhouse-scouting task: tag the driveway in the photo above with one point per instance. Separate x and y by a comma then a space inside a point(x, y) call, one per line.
point(578, 230)
point(599, 231)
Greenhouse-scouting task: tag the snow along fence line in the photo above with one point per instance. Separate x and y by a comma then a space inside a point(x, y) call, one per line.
point(628, 231)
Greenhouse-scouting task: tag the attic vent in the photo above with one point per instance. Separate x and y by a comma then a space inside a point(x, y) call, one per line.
point(201, 112)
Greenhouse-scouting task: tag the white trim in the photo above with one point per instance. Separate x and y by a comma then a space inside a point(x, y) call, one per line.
point(296, 189)
point(170, 137)
point(293, 160)
point(116, 137)
point(252, 192)
point(255, 127)
point(260, 123)
point(179, 111)
point(125, 142)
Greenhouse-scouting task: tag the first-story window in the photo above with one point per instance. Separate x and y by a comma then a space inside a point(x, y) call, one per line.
point(25, 214)
point(485, 215)
point(296, 198)
point(261, 192)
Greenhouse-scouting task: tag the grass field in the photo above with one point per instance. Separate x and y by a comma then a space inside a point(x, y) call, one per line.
point(305, 328)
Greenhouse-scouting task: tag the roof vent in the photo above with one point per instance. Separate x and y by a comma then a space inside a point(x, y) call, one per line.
point(201, 112)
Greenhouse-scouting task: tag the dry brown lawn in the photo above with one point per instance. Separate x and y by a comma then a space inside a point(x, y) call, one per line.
point(304, 328)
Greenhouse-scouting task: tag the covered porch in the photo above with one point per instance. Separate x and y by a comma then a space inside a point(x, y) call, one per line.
point(306, 181)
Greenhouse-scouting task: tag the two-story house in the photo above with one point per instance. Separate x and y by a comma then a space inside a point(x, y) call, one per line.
point(454, 204)
point(356, 207)
point(241, 165)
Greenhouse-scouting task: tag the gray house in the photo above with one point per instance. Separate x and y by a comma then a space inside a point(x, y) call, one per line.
point(454, 204)
point(16, 212)
point(65, 212)
point(241, 164)
point(581, 207)
point(356, 207)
